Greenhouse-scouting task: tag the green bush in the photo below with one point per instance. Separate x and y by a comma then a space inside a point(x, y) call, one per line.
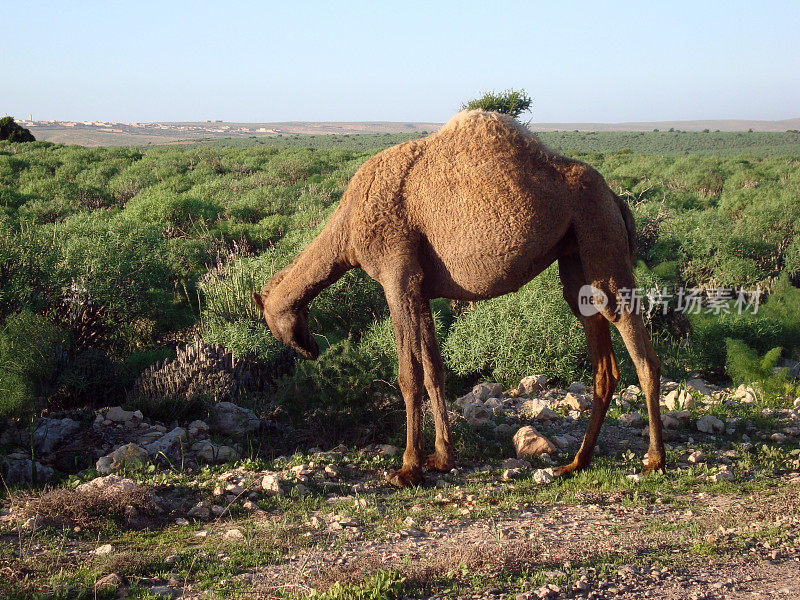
point(744, 365)
point(531, 331)
point(777, 323)
point(344, 389)
point(29, 355)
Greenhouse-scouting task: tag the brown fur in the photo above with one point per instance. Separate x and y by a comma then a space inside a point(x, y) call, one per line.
point(471, 212)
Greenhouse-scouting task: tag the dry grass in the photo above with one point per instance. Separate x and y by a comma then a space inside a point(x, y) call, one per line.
point(492, 559)
point(92, 508)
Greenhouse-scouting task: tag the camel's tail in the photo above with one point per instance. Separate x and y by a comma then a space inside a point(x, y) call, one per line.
point(630, 226)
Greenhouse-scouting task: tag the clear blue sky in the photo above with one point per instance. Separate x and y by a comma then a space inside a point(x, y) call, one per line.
point(398, 61)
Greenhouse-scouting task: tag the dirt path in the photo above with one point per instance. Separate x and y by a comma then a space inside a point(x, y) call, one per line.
point(716, 547)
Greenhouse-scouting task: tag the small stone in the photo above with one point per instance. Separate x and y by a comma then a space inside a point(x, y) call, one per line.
point(199, 511)
point(538, 410)
point(631, 419)
point(698, 456)
point(181, 521)
point(110, 582)
point(229, 419)
point(302, 490)
point(271, 484)
point(129, 456)
point(477, 414)
point(576, 387)
point(723, 475)
point(112, 485)
point(532, 384)
point(166, 443)
point(118, 415)
point(635, 477)
point(388, 450)
point(484, 391)
point(700, 385)
point(528, 443)
point(577, 401)
point(710, 424)
point(502, 431)
point(543, 476)
point(233, 534)
point(103, 550)
point(679, 400)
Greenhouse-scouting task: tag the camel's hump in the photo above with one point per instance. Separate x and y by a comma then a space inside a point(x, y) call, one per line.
point(488, 122)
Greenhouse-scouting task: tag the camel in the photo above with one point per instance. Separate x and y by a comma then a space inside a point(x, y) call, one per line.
point(471, 212)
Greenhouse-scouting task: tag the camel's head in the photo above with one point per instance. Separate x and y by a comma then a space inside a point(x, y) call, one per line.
point(289, 327)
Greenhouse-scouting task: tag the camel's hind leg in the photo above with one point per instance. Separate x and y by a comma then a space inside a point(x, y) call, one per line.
point(601, 352)
point(420, 366)
point(632, 329)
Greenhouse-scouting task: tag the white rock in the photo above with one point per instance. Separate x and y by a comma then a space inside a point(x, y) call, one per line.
point(388, 450)
point(167, 443)
point(538, 410)
point(130, 456)
point(477, 414)
point(710, 424)
point(576, 401)
point(229, 419)
point(103, 550)
point(532, 384)
point(679, 400)
point(271, 484)
point(52, 432)
point(631, 419)
point(543, 476)
point(529, 442)
point(484, 391)
point(110, 484)
point(745, 394)
point(118, 415)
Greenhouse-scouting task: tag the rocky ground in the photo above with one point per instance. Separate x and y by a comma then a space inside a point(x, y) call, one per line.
point(145, 509)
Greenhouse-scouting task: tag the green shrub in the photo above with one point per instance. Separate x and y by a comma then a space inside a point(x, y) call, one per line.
point(29, 353)
point(531, 331)
point(345, 395)
point(744, 365)
point(777, 323)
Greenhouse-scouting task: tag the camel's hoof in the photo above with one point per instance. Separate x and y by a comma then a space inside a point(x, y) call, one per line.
point(656, 465)
point(439, 463)
point(566, 469)
point(406, 477)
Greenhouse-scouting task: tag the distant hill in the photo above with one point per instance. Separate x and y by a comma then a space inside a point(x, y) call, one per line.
point(712, 125)
point(141, 134)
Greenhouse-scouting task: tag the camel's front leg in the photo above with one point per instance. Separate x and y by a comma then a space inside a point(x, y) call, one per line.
point(404, 306)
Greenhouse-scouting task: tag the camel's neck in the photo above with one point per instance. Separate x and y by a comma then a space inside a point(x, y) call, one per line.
point(322, 263)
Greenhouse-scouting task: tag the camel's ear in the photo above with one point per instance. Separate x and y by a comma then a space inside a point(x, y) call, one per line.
point(257, 299)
